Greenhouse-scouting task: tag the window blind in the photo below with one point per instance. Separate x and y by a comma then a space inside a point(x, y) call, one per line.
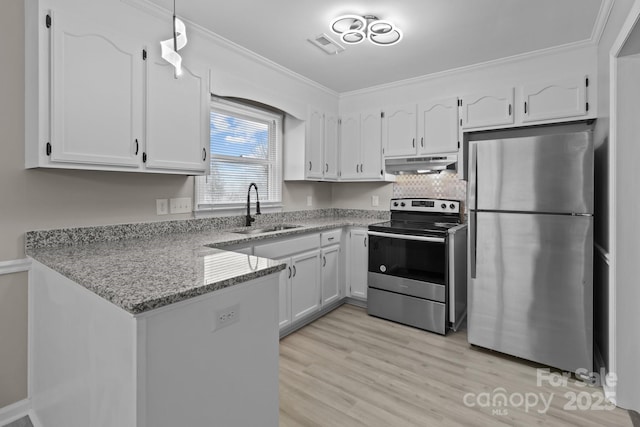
point(245, 147)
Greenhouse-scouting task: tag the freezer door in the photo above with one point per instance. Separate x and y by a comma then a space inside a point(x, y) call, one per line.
point(547, 173)
point(531, 292)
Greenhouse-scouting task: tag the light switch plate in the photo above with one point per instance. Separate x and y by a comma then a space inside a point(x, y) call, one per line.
point(180, 205)
point(309, 201)
point(375, 201)
point(162, 206)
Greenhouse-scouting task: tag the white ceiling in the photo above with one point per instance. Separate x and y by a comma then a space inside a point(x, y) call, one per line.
point(438, 34)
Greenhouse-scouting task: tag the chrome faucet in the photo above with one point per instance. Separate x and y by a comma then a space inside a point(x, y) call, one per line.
point(250, 219)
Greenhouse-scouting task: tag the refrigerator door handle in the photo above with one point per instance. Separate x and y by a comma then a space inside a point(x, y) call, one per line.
point(473, 240)
point(473, 175)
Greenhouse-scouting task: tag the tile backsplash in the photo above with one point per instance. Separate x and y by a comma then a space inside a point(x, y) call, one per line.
point(444, 185)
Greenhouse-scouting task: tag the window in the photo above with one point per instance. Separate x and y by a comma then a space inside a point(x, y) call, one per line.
point(245, 147)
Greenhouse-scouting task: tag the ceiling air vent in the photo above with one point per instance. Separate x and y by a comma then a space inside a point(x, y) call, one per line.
point(327, 45)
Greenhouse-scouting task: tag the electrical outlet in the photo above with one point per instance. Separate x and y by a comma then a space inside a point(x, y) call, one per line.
point(309, 201)
point(162, 206)
point(180, 205)
point(375, 201)
point(226, 316)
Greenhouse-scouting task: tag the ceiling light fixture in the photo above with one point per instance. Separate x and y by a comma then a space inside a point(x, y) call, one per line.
point(171, 46)
point(353, 29)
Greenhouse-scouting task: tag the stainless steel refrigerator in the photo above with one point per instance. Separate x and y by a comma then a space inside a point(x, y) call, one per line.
point(530, 285)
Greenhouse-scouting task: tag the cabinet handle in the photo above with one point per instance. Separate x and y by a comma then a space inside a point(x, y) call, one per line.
point(309, 164)
point(509, 109)
point(204, 154)
point(294, 271)
point(365, 242)
point(330, 238)
point(361, 168)
point(137, 146)
point(289, 272)
point(422, 142)
point(326, 167)
point(413, 143)
point(357, 168)
point(525, 107)
point(324, 261)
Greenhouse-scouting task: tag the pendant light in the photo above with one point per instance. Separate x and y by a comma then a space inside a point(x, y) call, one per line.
point(170, 47)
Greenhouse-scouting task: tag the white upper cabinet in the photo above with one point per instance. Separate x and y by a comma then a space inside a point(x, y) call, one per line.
point(438, 128)
point(556, 99)
point(371, 145)
point(177, 118)
point(321, 145)
point(361, 146)
point(331, 138)
point(96, 96)
point(314, 144)
point(350, 146)
point(399, 131)
point(492, 107)
point(103, 102)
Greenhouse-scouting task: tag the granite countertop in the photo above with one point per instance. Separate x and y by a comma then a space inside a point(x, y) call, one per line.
point(159, 266)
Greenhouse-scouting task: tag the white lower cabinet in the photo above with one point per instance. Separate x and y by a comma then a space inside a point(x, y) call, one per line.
point(284, 295)
point(330, 273)
point(357, 260)
point(305, 284)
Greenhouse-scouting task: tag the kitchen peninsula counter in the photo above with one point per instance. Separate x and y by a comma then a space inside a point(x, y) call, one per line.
point(141, 267)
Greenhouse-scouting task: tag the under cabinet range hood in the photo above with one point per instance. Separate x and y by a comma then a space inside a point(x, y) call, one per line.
point(420, 165)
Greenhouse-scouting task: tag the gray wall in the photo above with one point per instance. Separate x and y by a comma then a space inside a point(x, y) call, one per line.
point(602, 174)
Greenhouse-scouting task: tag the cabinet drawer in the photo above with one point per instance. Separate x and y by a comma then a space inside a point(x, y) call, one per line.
point(286, 247)
point(330, 237)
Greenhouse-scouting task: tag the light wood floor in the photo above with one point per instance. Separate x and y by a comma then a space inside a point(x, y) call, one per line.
point(351, 369)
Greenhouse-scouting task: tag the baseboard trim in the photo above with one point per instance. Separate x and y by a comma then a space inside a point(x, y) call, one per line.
point(312, 318)
point(356, 301)
point(15, 266)
point(609, 391)
point(15, 411)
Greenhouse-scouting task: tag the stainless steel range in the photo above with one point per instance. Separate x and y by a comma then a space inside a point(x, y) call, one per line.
point(417, 265)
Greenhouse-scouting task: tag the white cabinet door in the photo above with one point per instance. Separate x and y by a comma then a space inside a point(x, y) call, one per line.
point(284, 295)
point(305, 284)
point(177, 118)
point(96, 95)
point(438, 126)
point(358, 263)
point(399, 131)
point(331, 137)
point(371, 145)
point(330, 257)
point(557, 99)
point(488, 108)
point(314, 144)
point(350, 146)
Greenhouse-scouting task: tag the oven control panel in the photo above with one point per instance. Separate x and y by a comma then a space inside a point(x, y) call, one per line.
point(426, 205)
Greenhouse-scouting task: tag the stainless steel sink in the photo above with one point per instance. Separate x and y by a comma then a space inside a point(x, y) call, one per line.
point(267, 229)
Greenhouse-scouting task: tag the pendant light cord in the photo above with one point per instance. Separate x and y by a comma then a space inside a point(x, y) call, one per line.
point(175, 37)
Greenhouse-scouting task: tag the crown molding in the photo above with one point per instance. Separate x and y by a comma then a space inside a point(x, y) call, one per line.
point(162, 13)
point(473, 67)
point(601, 20)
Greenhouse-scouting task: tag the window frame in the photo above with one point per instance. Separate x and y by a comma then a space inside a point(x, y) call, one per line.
point(275, 175)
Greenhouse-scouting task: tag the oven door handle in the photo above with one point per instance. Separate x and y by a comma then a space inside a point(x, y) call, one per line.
point(407, 237)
